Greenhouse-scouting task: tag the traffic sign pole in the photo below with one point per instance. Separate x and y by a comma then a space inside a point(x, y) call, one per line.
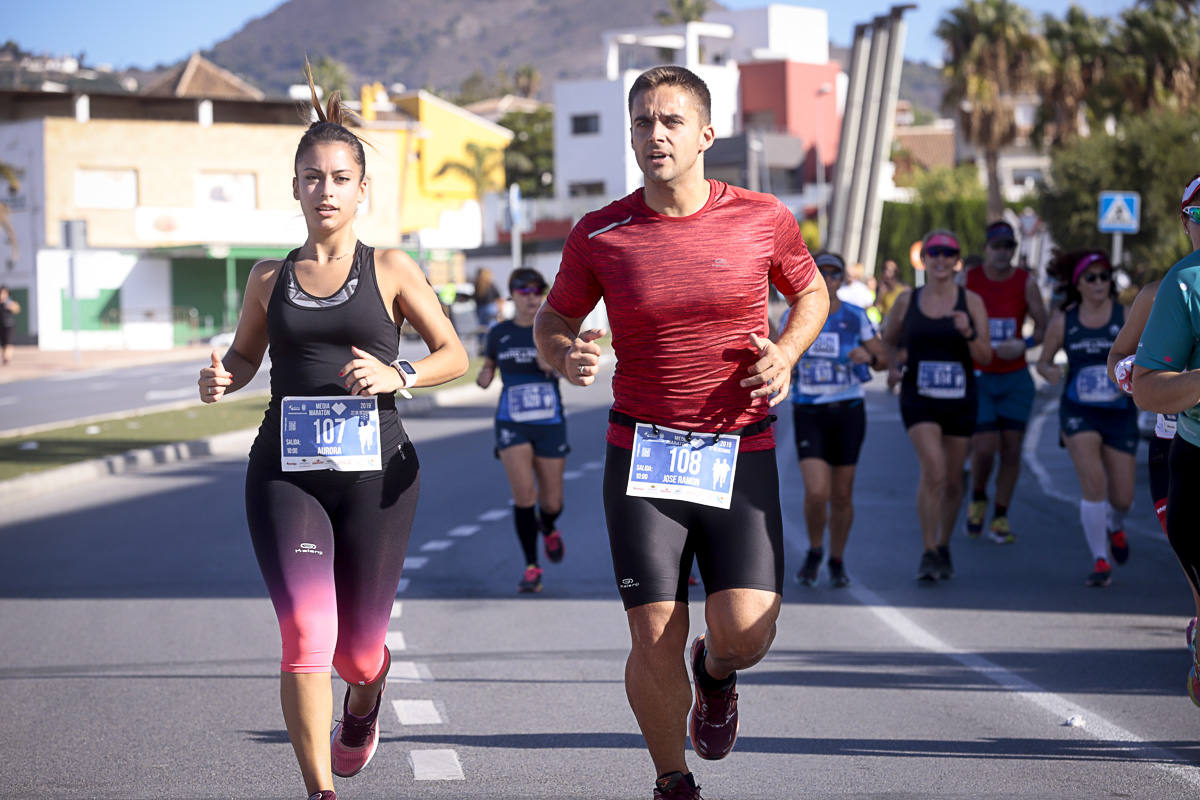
point(1118, 245)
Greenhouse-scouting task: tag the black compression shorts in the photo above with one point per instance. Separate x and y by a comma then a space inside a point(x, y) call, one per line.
point(654, 541)
point(1160, 468)
point(832, 432)
point(955, 417)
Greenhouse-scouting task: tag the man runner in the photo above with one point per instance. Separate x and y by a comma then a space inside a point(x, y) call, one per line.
point(1005, 386)
point(683, 266)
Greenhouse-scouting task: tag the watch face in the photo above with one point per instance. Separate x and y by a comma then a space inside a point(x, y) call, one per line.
point(406, 368)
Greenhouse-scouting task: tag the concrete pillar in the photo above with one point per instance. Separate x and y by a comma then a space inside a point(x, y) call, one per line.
point(843, 168)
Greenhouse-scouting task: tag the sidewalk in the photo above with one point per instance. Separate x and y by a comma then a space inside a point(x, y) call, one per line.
point(29, 362)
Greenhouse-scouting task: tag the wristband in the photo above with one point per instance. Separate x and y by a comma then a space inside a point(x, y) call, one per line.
point(1030, 342)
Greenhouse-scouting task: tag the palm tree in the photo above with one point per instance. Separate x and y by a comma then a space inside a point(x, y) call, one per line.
point(527, 80)
point(480, 168)
point(992, 56)
point(332, 76)
point(1155, 57)
point(680, 11)
point(1077, 47)
point(8, 173)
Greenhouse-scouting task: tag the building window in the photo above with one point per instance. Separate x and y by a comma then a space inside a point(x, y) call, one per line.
point(106, 188)
point(585, 188)
point(584, 123)
point(233, 190)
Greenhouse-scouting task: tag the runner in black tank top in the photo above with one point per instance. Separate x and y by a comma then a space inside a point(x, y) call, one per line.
point(332, 482)
point(937, 393)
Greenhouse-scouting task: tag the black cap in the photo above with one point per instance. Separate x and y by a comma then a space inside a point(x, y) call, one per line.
point(1000, 231)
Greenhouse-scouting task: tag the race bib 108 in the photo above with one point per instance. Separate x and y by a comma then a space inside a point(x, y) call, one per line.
point(678, 465)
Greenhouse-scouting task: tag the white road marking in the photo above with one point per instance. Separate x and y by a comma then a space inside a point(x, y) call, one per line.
point(1029, 455)
point(417, 712)
point(493, 515)
point(395, 641)
point(409, 672)
point(397, 609)
point(436, 545)
point(572, 475)
point(171, 394)
point(1059, 708)
point(415, 562)
point(592, 465)
point(463, 530)
point(435, 765)
point(402, 586)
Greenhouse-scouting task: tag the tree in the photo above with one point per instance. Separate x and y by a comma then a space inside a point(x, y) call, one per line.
point(681, 11)
point(992, 56)
point(332, 76)
point(480, 168)
point(1149, 155)
point(1077, 47)
point(8, 174)
point(1154, 58)
point(527, 81)
point(529, 159)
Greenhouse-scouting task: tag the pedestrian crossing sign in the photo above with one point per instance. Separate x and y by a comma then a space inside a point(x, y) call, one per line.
point(1120, 212)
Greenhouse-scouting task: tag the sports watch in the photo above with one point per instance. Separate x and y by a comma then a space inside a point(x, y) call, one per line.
point(408, 375)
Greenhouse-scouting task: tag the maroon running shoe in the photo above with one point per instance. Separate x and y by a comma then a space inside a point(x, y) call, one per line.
point(553, 542)
point(324, 794)
point(713, 722)
point(677, 786)
point(1118, 544)
point(355, 738)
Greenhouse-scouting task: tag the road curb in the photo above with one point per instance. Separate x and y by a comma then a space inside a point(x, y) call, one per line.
point(222, 444)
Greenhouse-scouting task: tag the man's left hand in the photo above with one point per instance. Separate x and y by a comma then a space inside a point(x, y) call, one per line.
point(771, 374)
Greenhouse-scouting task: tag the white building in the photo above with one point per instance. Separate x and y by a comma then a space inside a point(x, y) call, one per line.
point(592, 157)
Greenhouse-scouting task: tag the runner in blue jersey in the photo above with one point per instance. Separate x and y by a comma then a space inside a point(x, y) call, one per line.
point(1098, 423)
point(531, 429)
point(830, 421)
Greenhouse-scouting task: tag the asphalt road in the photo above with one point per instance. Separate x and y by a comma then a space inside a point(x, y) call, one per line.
point(140, 654)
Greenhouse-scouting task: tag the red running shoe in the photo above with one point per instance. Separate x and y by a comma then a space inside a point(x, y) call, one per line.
point(531, 580)
point(355, 738)
point(324, 794)
point(1101, 574)
point(713, 721)
point(553, 542)
point(677, 786)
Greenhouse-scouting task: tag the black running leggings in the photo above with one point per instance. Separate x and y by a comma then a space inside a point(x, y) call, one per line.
point(331, 546)
point(1183, 508)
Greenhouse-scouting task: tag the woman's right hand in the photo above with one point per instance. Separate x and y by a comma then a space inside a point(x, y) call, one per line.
point(214, 380)
point(1053, 373)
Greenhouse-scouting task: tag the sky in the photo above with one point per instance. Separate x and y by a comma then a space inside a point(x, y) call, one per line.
point(145, 33)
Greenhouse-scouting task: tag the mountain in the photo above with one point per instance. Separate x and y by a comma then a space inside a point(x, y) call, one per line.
point(439, 43)
point(429, 43)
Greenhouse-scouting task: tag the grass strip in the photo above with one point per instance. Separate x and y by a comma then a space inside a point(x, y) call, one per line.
point(71, 444)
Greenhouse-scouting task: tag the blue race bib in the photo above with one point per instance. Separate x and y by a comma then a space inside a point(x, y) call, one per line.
point(337, 432)
point(677, 465)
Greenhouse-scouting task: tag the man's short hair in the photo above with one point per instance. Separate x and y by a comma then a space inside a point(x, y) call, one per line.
point(673, 75)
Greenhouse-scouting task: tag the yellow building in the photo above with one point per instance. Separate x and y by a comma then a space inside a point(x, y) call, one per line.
point(182, 194)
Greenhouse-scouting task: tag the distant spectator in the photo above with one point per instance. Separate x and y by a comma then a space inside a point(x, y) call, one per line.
point(888, 287)
point(487, 303)
point(9, 309)
point(855, 291)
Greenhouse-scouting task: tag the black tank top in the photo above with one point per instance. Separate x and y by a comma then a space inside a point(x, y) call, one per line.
point(934, 340)
point(309, 344)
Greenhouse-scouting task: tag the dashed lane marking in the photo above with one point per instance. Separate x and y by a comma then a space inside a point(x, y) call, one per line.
point(395, 641)
point(572, 475)
point(397, 609)
point(592, 465)
point(436, 546)
point(493, 515)
point(402, 586)
point(463, 530)
point(417, 712)
point(415, 562)
point(409, 672)
point(435, 765)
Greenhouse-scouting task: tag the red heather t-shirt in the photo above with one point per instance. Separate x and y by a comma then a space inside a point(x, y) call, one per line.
point(1006, 306)
point(683, 295)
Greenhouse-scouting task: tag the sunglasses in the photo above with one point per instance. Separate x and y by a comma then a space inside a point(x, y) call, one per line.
point(528, 290)
point(1102, 277)
point(1005, 245)
point(942, 252)
point(835, 274)
point(1192, 213)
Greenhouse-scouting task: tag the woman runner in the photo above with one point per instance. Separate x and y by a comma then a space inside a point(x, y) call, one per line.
point(531, 429)
point(331, 487)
